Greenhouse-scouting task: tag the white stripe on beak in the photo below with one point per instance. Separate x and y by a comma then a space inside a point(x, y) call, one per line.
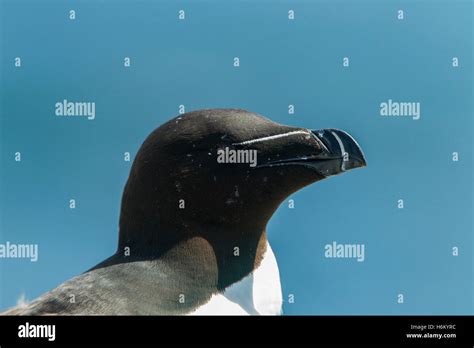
point(343, 151)
point(271, 137)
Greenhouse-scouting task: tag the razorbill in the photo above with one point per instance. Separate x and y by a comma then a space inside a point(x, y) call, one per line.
point(192, 236)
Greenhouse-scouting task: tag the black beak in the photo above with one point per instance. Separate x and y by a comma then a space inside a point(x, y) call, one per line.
point(340, 152)
point(327, 151)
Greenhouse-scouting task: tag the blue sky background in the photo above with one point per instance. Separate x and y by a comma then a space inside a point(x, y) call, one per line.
point(283, 62)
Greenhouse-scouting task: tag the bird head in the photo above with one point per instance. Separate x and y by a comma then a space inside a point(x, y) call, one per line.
point(224, 169)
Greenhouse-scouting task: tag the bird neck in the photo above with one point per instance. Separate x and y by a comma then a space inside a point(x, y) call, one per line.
point(237, 258)
point(224, 254)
